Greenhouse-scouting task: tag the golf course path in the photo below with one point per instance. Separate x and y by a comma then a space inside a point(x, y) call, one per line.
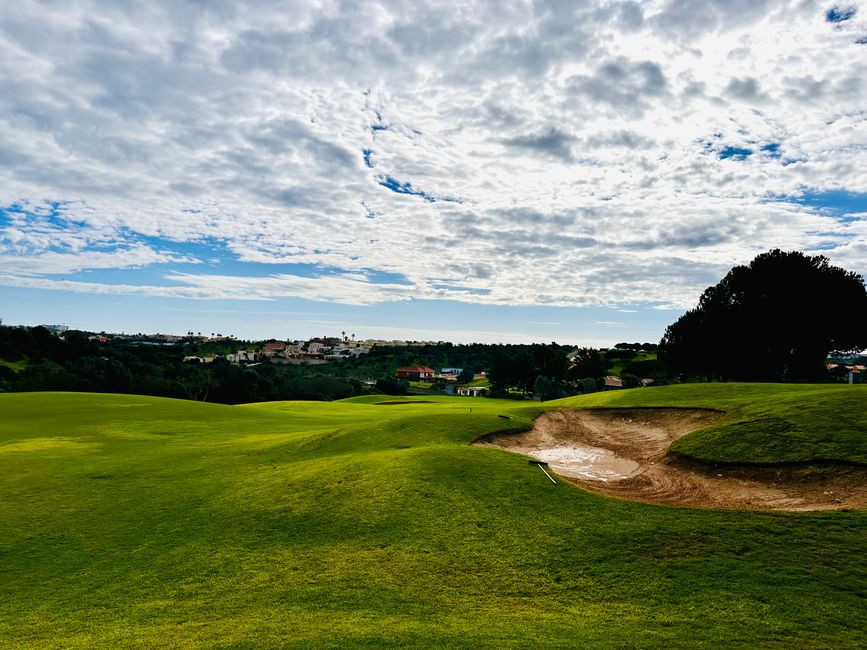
point(625, 453)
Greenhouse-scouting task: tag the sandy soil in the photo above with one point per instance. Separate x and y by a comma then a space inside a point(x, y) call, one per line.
point(624, 453)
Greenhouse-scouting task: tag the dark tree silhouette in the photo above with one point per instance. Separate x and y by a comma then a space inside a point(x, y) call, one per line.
point(589, 362)
point(773, 320)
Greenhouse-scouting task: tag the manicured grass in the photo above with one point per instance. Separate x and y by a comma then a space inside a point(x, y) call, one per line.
point(137, 521)
point(763, 423)
point(620, 364)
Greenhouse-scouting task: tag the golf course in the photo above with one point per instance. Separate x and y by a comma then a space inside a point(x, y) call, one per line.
point(132, 521)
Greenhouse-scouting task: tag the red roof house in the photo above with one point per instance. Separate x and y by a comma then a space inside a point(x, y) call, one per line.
point(270, 349)
point(415, 373)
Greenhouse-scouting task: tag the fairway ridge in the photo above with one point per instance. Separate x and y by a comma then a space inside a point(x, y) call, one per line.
point(346, 525)
point(624, 452)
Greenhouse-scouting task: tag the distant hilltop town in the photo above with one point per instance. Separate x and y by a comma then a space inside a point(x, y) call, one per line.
point(310, 352)
point(313, 351)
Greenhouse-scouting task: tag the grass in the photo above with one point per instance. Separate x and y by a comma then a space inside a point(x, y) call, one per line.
point(139, 521)
point(15, 366)
point(620, 364)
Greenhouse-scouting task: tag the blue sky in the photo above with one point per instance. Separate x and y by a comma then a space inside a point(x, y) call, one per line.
point(538, 171)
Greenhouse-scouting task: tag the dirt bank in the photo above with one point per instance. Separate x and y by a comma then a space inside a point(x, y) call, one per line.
point(624, 453)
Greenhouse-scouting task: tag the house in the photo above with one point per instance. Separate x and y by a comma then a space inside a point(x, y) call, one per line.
point(274, 349)
point(317, 346)
point(415, 373)
point(242, 355)
point(613, 383)
point(472, 391)
point(208, 359)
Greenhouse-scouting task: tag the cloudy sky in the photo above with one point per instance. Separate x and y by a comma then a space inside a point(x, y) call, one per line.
point(570, 171)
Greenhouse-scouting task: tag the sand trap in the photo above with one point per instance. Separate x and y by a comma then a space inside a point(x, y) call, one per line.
point(624, 452)
point(592, 463)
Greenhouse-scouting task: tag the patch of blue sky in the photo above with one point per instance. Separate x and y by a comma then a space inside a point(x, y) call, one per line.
point(735, 153)
point(838, 14)
point(826, 246)
point(152, 275)
point(839, 204)
point(155, 274)
point(836, 202)
point(367, 153)
point(51, 210)
point(772, 150)
point(396, 186)
point(404, 188)
point(376, 276)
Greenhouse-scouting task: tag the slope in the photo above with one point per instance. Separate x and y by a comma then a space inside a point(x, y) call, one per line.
point(146, 522)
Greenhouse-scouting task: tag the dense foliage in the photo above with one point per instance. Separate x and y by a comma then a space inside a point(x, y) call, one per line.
point(78, 361)
point(773, 320)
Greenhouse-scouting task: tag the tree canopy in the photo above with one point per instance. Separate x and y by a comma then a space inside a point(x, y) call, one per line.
point(775, 319)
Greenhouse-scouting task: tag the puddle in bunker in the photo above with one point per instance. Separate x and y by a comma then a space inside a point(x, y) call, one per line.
point(591, 463)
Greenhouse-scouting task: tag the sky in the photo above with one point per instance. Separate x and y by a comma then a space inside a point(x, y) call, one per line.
point(525, 171)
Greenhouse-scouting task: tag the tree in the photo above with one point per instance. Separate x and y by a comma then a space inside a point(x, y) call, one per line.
point(589, 362)
point(466, 376)
point(544, 388)
point(391, 386)
point(511, 368)
point(197, 383)
point(775, 319)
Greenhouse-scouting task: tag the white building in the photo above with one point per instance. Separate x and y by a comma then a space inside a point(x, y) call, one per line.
point(242, 355)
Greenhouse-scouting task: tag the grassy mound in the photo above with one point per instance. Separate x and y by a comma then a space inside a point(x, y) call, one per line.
point(763, 423)
point(141, 521)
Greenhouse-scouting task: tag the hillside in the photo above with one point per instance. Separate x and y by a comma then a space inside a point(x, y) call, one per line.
point(144, 521)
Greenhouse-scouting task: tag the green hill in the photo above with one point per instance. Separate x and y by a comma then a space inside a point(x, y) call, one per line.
point(140, 521)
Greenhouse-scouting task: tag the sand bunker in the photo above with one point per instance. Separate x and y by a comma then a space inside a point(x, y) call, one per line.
point(624, 453)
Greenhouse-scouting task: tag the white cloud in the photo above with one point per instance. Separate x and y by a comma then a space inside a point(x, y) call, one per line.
point(578, 144)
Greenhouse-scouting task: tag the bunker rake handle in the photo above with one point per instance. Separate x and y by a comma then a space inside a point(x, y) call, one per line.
point(542, 465)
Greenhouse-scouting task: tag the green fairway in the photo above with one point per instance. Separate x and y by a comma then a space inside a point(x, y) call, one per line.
point(140, 521)
point(619, 364)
